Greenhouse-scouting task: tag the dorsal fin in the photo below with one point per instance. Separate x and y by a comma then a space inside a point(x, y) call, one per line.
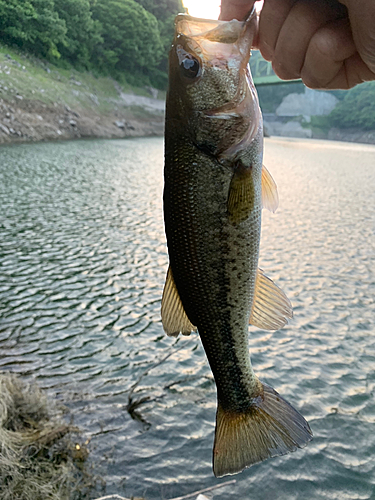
point(270, 198)
point(173, 315)
point(271, 307)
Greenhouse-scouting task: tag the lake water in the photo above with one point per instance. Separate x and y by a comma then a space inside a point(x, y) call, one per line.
point(83, 260)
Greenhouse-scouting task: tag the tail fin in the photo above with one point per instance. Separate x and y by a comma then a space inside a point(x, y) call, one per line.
point(270, 428)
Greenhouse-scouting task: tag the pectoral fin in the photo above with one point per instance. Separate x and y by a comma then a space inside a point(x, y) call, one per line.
point(173, 315)
point(241, 195)
point(270, 198)
point(271, 307)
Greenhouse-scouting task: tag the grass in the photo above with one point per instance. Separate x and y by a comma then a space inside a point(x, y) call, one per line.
point(38, 459)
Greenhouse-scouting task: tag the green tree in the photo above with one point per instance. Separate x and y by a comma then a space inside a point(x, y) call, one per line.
point(162, 9)
point(131, 39)
point(33, 25)
point(83, 33)
point(357, 109)
point(165, 12)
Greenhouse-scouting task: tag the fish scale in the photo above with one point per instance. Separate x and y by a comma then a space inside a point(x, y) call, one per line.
point(200, 239)
point(215, 188)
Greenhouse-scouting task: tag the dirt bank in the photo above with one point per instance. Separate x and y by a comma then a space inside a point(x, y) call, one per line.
point(25, 120)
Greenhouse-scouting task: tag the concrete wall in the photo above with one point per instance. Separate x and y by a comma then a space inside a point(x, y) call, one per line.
point(295, 108)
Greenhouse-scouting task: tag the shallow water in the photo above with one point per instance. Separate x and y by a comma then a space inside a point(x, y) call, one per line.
point(82, 267)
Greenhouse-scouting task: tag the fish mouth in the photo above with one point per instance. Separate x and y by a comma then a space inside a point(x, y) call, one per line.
point(212, 29)
point(219, 41)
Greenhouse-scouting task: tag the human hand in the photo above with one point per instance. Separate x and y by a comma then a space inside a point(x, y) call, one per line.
point(328, 43)
point(235, 9)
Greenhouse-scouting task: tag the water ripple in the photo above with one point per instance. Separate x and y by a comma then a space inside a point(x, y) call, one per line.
point(82, 267)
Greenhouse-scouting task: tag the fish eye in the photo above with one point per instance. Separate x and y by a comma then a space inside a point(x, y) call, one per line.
point(190, 66)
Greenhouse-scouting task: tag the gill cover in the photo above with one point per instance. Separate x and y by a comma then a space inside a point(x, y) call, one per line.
point(209, 60)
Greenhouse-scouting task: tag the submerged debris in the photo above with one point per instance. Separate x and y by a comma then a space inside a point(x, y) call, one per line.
point(38, 458)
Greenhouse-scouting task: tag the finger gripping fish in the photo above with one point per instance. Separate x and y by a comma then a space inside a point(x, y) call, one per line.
point(215, 189)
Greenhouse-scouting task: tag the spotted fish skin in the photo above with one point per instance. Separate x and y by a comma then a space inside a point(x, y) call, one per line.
point(215, 188)
point(214, 263)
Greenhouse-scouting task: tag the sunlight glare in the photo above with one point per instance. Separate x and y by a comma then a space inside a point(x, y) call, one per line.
point(206, 9)
point(209, 9)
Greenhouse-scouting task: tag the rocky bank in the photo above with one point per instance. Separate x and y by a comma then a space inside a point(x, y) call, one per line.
point(25, 120)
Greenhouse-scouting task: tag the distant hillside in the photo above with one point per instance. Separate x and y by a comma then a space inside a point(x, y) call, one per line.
point(40, 101)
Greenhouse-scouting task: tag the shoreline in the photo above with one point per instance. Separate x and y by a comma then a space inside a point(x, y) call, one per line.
point(31, 120)
point(27, 121)
point(40, 102)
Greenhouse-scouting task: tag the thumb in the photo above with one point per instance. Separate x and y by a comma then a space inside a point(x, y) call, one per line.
point(361, 15)
point(235, 9)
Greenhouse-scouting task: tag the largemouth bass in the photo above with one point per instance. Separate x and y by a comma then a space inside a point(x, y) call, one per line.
point(215, 188)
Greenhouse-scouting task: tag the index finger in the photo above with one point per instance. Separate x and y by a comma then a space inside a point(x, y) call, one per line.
point(235, 9)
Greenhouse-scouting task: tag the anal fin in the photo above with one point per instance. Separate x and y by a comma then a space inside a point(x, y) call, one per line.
point(173, 315)
point(271, 307)
point(269, 428)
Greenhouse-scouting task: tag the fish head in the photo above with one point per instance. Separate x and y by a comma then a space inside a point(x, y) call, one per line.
point(211, 94)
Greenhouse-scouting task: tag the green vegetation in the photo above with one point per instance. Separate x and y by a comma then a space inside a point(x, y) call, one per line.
point(131, 39)
point(126, 39)
point(34, 80)
point(83, 34)
point(32, 25)
point(357, 109)
point(24, 78)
